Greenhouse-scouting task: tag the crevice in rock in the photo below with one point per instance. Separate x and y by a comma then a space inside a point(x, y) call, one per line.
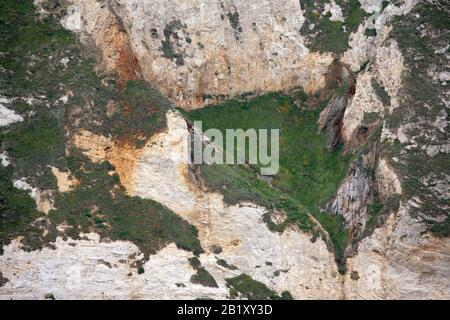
point(330, 119)
point(3, 280)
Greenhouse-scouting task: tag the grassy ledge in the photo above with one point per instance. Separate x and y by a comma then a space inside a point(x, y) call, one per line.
point(309, 175)
point(253, 290)
point(52, 84)
point(330, 36)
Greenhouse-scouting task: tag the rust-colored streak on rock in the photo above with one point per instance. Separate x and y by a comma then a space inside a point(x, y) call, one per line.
point(127, 66)
point(117, 54)
point(122, 154)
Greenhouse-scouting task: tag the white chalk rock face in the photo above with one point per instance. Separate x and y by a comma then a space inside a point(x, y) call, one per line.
point(334, 10)
point(400, 261)
point(287, 261)
point(386, 68)
point(198, 52)
point(91, 269)
point(363, 47)
point(7, 116)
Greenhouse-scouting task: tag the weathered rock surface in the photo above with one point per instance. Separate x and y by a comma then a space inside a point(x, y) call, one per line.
point(352, 197)
point(101, 30)
point(401, 258)
point(400, 262)
point(7, 116)
point(91, 269)
point(363, 47)
point(162, 174)
point(200, 52)
point(387, 69)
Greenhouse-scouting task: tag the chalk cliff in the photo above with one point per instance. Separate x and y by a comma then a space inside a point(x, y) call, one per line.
point(388, 113)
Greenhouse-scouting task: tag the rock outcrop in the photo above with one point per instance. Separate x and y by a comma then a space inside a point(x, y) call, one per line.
point(398, 254)
point(202, 52)
point(161, 173)
point(399, 261)
point(393, 201)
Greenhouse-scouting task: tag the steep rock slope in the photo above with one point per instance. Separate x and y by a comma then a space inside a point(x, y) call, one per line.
point(393, 201)
point(201, 52)
point(407, 253)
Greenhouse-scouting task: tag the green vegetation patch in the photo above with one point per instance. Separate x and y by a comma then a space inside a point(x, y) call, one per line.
point(328, 35)
point(370, 32)
point(378, 210)
point(41, 62)
point(202, 276)
point(234, 20)
point(140, 113)
point(308, 177)
point(440, 229)
point(253, 290)
point(100, 204)
point(381, 92)
point(422, 38)
point(17, 214)
point(34, 145)
point(26, 45)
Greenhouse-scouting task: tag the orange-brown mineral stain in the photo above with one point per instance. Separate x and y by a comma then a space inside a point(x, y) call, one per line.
point(122, 154)
point(127, 66)
point(118, 54)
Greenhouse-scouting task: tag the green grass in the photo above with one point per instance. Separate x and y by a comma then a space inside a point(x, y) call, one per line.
point(353, 12)
point(17, 213)
point(421, 103)
point(253, 290)
point(35, 144)
point(330, 35)
point(441, 229)
point(27, 47)
point(334, 225)
point(142, 106)
point(23, 39)
point(32, 50)
point(92, 207)
point(202, 276)
point(308, 172)
point(309, 175)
